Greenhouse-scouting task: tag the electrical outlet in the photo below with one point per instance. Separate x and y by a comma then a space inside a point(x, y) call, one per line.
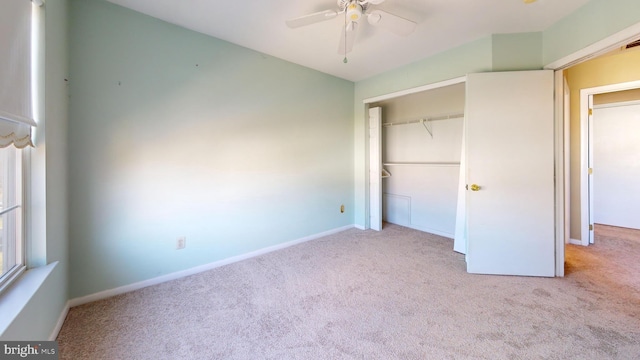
point(341, 208)
point(181, 243)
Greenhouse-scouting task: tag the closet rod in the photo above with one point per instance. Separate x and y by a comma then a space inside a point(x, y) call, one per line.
point(422, 120)
point(422, 163)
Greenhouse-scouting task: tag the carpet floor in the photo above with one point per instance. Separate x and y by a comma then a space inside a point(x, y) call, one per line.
point(394, 294)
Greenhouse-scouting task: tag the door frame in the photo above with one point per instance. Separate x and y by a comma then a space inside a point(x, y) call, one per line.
point(586, 153)
point(561, 166)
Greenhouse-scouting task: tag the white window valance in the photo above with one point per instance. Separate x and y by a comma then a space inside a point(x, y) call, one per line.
point(16, 115)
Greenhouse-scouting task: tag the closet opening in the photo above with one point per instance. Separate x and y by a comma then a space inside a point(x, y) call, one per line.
point(421, 152)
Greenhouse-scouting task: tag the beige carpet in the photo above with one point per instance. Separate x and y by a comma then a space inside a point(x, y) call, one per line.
point(397, 294)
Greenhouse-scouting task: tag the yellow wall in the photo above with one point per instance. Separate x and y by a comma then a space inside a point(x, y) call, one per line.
point(615, 97)
point(610, 69)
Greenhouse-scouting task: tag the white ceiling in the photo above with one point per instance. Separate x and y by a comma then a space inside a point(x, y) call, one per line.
point(442, 24)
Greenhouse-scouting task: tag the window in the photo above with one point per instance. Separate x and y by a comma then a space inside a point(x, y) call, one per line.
point(18, 34)
point(11, 229)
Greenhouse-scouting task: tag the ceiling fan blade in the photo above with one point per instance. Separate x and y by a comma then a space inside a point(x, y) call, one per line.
point(393, 23)
point(351, 30)
point(311, 18)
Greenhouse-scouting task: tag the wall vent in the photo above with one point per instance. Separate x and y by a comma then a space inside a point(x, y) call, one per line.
point(633, 44)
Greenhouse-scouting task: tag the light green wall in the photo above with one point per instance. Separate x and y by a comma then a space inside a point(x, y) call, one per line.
point(48, 196)
point(514, 52)
point(57, 116)
point(476, 56)
point(593, 22)
point(174, 133)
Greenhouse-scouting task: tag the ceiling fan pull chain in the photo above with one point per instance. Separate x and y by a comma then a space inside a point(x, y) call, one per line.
point(345, 37)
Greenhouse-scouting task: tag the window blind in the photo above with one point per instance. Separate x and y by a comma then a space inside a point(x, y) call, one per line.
point(16, 115)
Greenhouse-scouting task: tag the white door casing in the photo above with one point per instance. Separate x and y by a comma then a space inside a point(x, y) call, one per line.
point(510, 155)
point(590, 171)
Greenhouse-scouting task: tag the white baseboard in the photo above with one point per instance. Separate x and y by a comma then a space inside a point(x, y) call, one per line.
point(431, 231)
point(63, 316)
point(575, 242)
point(198, 269)
point(359, 227)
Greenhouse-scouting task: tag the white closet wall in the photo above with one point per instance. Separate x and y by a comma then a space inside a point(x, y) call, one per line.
point(422, 190)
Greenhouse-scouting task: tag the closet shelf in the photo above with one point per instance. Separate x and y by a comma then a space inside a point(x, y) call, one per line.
point(426, 121)
point(424, 163)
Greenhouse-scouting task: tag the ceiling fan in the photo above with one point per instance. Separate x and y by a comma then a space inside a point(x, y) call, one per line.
point(354, 11)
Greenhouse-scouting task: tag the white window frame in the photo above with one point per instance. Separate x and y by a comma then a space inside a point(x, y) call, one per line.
point(13, 181)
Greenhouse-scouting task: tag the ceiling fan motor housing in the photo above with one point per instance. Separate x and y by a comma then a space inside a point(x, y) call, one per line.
point(350, 5)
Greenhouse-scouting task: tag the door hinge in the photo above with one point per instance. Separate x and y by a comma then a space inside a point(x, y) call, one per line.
point(590, 112)
point(590, 227)
point(590, 171)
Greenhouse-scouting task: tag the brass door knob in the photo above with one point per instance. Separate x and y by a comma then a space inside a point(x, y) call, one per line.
point(475, 187)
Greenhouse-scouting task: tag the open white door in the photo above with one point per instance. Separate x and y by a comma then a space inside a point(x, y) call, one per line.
point(375, 169)
point(615, 147)
point(510, 173)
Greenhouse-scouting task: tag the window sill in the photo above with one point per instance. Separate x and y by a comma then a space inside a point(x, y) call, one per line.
point(14, 299)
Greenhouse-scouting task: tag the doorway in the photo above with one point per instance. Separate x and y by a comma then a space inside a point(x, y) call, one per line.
point(613, 72)
point(584, 69)
point(595, 171)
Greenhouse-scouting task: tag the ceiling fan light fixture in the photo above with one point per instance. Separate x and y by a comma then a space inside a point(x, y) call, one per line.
point(354, 11)
point(529, 1)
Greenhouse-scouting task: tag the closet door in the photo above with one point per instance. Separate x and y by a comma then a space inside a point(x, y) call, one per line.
point(510, 173)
